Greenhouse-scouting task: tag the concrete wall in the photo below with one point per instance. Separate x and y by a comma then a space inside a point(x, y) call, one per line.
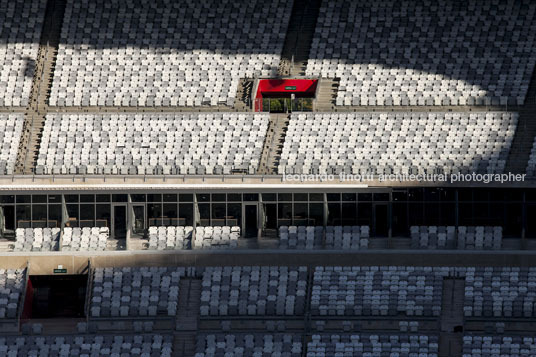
point(76, 263)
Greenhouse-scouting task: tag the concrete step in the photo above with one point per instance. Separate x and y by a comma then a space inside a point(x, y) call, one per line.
point(327, 94)
point(184, 344)
point(243, 95)
point(35, 113)
point(189, 302)
point(525, 132)
point(273, 144)
point(298, 38)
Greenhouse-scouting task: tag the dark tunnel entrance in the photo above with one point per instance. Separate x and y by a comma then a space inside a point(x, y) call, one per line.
point(54, 296)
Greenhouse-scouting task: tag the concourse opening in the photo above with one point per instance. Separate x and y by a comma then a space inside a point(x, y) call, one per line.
point(285, 95)
point(250, 220)
point(55, 296)
point(120, 221)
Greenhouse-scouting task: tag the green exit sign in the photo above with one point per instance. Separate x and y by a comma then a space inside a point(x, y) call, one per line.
point(60, 271)
point(290, 87)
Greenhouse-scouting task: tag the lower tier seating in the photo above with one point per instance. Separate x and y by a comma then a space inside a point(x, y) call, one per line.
point(254, 291)
point(87, 345)
point(135, 292)
point(500, 292)
point(12, 282)
point(373, 345)
point(377, 291)
point(490, 346)
point(246, 345)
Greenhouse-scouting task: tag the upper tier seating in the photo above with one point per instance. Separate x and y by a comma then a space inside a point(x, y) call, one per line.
point(11, 291)
point(448, 237)
point(10, 134)
point(135, 292)
point(373, 345)
point(246, 345)
point(258, 291)
point(146, 144)
point(425, 52)
point(302, 237)
point(20, 30)
point(85, 239)
point(347, 237)
point(400, 143)
point(216, 237)
point(479, 237)
point(433, 237)
point(87, 345)
point(163, 53)
point(531, 165)
point(37, 239)
point(161, 238)
point(500, 292)
point(377, 291)
point(489, 346)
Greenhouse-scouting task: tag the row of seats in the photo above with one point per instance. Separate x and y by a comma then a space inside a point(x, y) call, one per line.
point(373, 345)
point(11, 292)
point(162, 238)
point(133, 53)
point(87, 345)
point(397, 143)
point(433, 237)
point(85, 239)
point(488, 346)
point(36, 239)
point(11, 126)
point(147, 144)
point(253, 291)
point(377, 291)
point(450, 237)
point(479, 237)
point(135, 292)
point(500, 292)
point(20, 30)
point(347, 237)
point(246, 345)
point(302, 237)
point(217, 237)
point(315, 237)
point(531, 165)
point(395, 53)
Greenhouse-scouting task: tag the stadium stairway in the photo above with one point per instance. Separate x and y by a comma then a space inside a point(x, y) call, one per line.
point(243, 95)
point(299, 36)
point(273, 144)
point(525, 132)
point(450, 341)
point(184, 338)
point(42, 82)
point(327, 94)
point(452, 304)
